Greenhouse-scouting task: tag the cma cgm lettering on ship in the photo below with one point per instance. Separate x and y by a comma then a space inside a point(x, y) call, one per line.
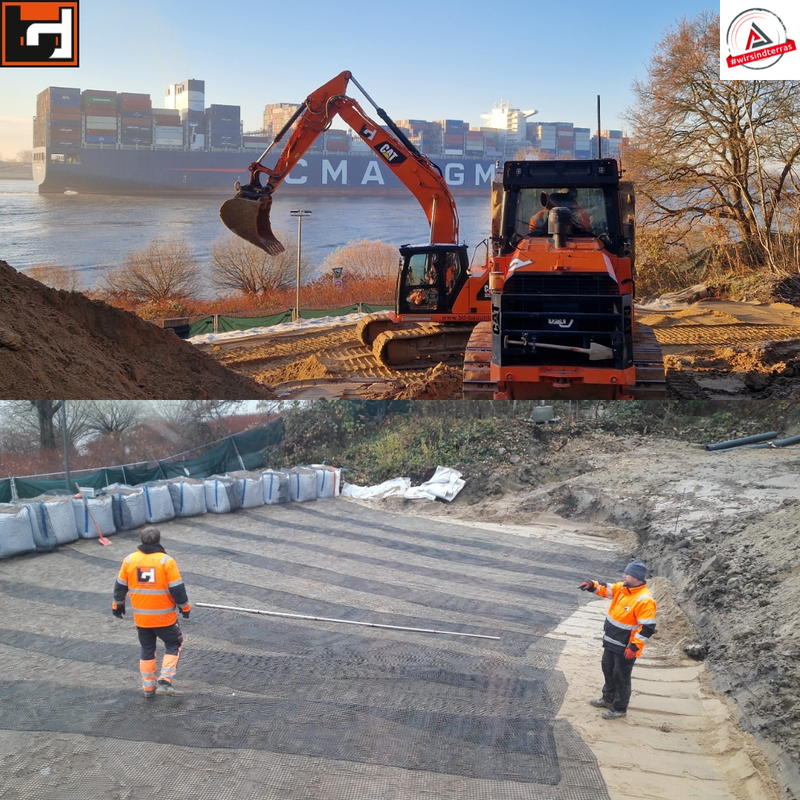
point(153, 171)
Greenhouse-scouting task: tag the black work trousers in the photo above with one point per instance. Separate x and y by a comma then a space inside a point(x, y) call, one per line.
point(171, 636)
point(617, 672)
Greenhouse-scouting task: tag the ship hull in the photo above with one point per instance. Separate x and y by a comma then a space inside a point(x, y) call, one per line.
point(181, 172)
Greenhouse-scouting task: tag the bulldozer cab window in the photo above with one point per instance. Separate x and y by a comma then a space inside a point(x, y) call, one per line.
point(429, 280)
point(593, 211)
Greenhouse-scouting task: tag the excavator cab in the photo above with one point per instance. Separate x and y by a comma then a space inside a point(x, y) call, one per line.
point(430, 278)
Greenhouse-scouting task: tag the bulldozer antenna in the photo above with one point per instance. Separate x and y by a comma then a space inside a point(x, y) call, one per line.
point(343, 621)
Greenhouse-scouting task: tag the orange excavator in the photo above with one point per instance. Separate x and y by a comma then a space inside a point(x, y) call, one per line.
point(439, 298)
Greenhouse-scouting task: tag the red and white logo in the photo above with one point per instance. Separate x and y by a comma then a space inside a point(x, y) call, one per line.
point(39, 33)
point(757, 39)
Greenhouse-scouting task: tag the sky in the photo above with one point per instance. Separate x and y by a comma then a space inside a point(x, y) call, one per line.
point(419, 59)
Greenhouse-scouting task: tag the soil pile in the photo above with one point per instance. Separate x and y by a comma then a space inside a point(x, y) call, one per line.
point(62, 344)
point(723, 526)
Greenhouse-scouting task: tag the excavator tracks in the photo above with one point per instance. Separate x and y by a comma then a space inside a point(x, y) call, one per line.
point(410, 348)
point(650, 377)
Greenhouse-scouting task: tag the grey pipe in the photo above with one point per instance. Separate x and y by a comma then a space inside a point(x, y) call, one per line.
point(759, 437)
point(343, 621)
point(785, 442)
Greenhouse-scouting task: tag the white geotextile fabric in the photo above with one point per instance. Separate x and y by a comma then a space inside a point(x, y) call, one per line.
point(445, 484)
point(100, 511)
point(302, 484)
point(249, 488)
point(188, 496)
point(158, 503)
point(16, 533)
point(216, 489)
point(328, 480)
point(128, 506)
point(54, 518)
point(276, 486)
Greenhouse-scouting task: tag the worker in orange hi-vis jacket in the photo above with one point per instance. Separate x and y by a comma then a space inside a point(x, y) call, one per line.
point(630, 622)
point(157, 591)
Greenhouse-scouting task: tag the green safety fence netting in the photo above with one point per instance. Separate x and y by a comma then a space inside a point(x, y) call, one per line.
point(241, 451)
point(226, 324)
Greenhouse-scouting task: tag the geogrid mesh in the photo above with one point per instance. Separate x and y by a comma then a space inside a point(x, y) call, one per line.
point(367, 712)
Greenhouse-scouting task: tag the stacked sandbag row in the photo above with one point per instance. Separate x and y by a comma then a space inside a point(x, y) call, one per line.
point(42, 523)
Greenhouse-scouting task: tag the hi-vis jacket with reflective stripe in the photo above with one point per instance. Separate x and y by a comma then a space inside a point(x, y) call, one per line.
point(155, 586)
point(631, 619)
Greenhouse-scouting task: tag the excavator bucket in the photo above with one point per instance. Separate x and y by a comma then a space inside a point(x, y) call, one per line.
point(249, 219)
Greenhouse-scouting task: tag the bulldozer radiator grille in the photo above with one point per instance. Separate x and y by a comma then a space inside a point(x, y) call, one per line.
point(528, 283)
point(565, 311)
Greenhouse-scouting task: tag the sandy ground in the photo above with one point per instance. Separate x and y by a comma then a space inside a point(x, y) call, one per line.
point(713, 350)
point(61, 344)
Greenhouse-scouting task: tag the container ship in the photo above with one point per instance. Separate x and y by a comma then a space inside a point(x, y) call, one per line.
point(105, 142)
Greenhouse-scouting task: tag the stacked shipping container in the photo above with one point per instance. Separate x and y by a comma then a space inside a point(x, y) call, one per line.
point(136, 118)
point(58, 118)
point(223, 126)
point(99, 116)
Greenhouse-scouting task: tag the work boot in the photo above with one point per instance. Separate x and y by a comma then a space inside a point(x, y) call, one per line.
point(600, 703)
point(165, 687)
point(149, 695)
point(613, 714)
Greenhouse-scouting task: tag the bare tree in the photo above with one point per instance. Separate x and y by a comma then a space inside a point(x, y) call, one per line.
point(111, 417)
point(710, 153)
point(366, 259)
point(163, 270)
point(64, 278)
point(239, 266)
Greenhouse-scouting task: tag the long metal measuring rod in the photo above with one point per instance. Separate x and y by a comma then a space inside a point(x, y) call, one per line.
point(343, 621)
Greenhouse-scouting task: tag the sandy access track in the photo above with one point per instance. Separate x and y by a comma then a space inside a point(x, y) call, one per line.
point(712, 350)
point(721, 534)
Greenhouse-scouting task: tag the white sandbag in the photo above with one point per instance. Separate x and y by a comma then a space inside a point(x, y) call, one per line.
point(16, 533)
point(128, 506)
point(218, 489)
point(43, 539)
point(328, 480)
point(102, 513)
point(249, 488)
point(302, 484)
point(188, 496)
point(158, 503)
point(276, 486)
point(52, 520)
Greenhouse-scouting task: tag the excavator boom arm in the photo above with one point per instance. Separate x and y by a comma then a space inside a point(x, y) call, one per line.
point(247, 214)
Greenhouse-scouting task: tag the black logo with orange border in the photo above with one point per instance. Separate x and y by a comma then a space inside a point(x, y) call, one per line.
point(38, 33)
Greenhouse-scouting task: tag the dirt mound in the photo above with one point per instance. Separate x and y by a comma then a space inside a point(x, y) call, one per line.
point(64, 345)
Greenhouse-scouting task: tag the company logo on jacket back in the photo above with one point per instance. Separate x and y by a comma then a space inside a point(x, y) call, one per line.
point(146, 575)
point(34, 33)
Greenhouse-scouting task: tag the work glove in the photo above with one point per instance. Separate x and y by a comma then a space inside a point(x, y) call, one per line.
point(630, 652)
point(586, 586)
point(118, 612)
point(185, 614)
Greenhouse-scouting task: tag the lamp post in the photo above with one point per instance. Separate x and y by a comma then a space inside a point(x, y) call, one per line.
point(299, 213)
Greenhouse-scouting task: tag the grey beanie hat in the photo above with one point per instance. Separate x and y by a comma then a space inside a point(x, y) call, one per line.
point(636, 570)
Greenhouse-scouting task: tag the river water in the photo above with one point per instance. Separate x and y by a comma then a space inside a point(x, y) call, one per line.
point(93, 233)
